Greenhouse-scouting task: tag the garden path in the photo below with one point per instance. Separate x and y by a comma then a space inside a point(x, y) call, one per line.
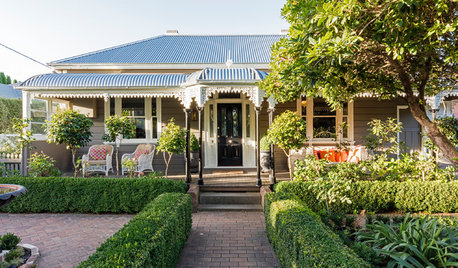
point(64, 240)
point(227, 239)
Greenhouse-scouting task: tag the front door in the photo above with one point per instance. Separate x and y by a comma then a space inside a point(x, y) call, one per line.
point(229, 134)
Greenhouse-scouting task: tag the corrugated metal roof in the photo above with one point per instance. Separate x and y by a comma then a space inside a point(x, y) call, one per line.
point(177, 49)
point(97, 80)
point(226, 74)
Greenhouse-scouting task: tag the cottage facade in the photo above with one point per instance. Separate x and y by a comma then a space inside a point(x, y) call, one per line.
point(207, 83)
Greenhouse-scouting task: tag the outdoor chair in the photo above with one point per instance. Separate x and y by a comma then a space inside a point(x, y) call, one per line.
point(143, 158)
point(98, 159)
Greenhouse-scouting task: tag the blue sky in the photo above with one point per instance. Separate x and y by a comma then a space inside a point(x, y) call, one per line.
point(48, 30)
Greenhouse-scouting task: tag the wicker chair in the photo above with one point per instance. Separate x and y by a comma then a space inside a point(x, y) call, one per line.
point(143, 157)
point(98, 165)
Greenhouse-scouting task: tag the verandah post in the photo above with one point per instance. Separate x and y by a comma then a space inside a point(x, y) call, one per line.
point(273, 178)
point(188, 145)
point(201, 121)
point(258, 150)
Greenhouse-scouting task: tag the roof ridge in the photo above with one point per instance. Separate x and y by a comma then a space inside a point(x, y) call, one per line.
point(106, 49)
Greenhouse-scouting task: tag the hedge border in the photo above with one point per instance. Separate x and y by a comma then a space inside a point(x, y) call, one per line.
point(300, 239)
point(153, 238)
point(88, 195)
point(383, 196)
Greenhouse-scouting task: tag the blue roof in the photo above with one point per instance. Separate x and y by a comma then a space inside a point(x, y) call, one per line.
point(101, 80)
point(8, 92)
point(98, 80)
point(190, 49)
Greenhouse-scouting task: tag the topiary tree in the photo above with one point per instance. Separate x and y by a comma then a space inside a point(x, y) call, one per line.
point(288, 131)
point(118, 127)
point(172, 141)
point(70, 128)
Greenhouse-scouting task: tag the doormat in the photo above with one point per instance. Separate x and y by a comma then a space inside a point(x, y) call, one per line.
point(234, 172)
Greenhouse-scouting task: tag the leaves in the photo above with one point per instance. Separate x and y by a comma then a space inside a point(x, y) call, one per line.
point(119, 125)
point(172, 139)
point(71, 128)
point(288, 131)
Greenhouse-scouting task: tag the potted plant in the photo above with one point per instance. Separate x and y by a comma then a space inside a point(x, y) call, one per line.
point(288, 131)
point(194, 154)
point(264, 146)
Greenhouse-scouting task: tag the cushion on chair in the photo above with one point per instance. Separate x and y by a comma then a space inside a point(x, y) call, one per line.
point(143, 149)
point(138, 153)
point(97, 153)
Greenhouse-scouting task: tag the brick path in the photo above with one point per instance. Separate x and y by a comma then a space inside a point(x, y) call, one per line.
point(228, 239)
point(64, 240)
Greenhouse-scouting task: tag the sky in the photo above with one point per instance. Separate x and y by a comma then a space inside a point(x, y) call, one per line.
point(48, 30)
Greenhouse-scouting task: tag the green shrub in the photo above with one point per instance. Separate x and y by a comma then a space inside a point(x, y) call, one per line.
point(9, 109)
point(381, 196)
point(9, 241)
point(88, 195)
point(194, 143)
point(416, 242)
point(300, 239)
point(41, 165)
point(153, 238)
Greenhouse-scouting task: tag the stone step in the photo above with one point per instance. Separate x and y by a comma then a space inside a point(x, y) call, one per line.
point(229, 207)
point(229, 198)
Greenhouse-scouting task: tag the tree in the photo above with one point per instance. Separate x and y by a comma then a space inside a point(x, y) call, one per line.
point(5, 79)
point(70, 128)
point(339, 49)
point(288, 131)
point(172, 141)
point(118, 127)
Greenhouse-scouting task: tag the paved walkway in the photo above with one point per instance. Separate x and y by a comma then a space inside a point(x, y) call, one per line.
point(64, 240)
point(228, 239)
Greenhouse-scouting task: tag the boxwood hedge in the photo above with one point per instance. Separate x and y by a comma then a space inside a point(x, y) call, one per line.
point(88, 195)
point(153, 238)
point(382, 196)
point(300, 239)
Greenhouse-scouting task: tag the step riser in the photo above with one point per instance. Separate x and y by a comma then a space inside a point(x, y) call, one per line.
point(230, 208)
point(230, 200)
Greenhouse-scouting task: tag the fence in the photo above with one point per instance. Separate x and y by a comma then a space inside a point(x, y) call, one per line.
point(10, 164)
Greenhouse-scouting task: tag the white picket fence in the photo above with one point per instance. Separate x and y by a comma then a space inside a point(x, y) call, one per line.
point(10, 164)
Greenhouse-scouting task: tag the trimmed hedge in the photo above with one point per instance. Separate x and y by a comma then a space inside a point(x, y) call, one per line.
point(381, 196)
point(153, 238)
point(300, 239)
point(88, 195)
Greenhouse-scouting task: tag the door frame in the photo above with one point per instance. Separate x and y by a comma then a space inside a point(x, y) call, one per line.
point(211, 143)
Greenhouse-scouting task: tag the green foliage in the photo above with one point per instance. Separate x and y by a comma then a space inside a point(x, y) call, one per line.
point(382, 196)
point(9, 109)
point(264, 143)
point(5, 79)
point(331, 190)
point(383, 136)
point(300, 239)
point(24, 135)
point(153, 238)
point(194, 143)
point(13, 258)
point(416, 242)
point(288, 131)
point(88, 195)
point(172, 141)
point(41, 165)
point(119, 125)
point(405, 168)
point(129, 164)
point(9, 241)
point(340, 49)
point(71, 128)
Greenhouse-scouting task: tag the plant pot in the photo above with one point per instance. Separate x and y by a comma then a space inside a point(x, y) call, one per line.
point(194, 162)
point(265, 161)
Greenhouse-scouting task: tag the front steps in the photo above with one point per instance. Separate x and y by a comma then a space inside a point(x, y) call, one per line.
point(229, 201)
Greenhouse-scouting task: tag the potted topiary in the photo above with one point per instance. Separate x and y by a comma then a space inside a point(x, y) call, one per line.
point(194, 154)
point(172, 141)
point(264, 146)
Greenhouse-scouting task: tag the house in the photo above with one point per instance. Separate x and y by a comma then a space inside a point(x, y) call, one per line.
point(9, 92)
point(187, 77)
point(444, 104)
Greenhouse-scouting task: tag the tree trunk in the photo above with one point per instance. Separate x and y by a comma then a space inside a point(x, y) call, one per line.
point(117, 162)
point(433, 131)
point(75, 172)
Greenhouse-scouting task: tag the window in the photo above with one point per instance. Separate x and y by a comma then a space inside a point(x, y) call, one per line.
point(146, 112)
point(324, 123)
point(38, 116)
point(135, 109)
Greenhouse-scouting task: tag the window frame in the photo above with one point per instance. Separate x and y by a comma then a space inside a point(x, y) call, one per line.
point(49, 111)
point(149, 118)
point(309, 116)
